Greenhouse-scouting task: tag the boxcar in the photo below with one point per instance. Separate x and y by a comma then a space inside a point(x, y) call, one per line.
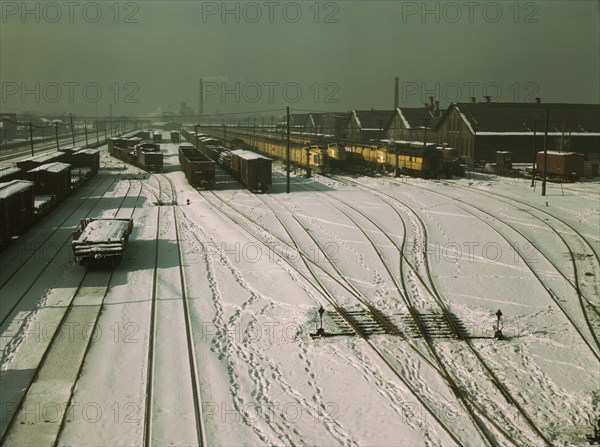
point(86, 158)
point(39, 160)
point(157, 137)
point(563, 165)
point(175, 138)
point(198, 168)
point(52, 179)
point(16, 208)
point(150, 160)
point(252, 169)
point(10, 173)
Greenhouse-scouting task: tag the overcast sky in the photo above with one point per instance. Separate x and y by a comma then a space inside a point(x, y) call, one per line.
point(147, 57)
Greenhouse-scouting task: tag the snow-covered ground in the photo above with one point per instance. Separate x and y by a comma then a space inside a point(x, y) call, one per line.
point(219, 351)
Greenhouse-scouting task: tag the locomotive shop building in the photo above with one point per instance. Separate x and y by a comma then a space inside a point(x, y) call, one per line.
point(479, 130)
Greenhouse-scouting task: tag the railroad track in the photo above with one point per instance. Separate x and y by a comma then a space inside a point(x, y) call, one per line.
point(350, 319)
point(46, 147)
point(416, 318)
point(551, 293)
point(434, 293)
point(158, 397)
point(591, 256)
point(18, 245)
point(56, 375)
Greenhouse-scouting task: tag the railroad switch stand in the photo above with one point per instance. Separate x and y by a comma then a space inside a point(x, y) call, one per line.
point(320, 331)
point(498, 334)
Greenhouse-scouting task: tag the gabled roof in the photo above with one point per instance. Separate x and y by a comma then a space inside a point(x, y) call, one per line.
point(416, 117)
point(299, 119)
point(519, 118)
point(373, 119)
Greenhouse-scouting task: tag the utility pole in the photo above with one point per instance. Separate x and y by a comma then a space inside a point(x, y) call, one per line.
point(545, 154)
point(534, 155)
point(56, 133)
point(562, 138)
point(31, 137)
point(72, 128)
point(287, 152)
point(86, 137)
point(97, 139)
point(105, 136)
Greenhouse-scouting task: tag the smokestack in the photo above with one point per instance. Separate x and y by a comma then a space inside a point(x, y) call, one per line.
point(488, 99)
point(396, 96)
point(436, 111)
point(538, 100)
point(473, 99)
point(431, 103)
point(200, 98)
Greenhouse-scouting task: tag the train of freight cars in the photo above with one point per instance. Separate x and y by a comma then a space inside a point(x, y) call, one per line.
point(251, 169)
point(35, 186)
point(135, 151)
point(402, 157)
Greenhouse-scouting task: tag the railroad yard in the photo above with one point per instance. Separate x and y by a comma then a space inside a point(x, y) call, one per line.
point(208, 332)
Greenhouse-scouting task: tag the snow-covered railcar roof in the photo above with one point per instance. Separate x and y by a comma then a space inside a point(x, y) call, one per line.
point(13, 187)
point(52, 167)
point(103, 230)
point(248, 155)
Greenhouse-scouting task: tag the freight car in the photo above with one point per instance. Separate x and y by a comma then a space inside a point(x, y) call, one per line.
point(101, 240)
point(175, 138)
point(9, 173)
point(16, 209)
point(146, 156)
point(51, 179)
point(252, 169)
point(157, 137)
point(561, 165)
point(33, 162)
point(304, 155)
point(407, 157)
point(198, 168)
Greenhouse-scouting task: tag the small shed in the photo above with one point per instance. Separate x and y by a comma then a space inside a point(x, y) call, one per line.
point(503, 160)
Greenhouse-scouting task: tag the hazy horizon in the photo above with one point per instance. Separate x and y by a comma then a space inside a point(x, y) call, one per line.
point(147, 57)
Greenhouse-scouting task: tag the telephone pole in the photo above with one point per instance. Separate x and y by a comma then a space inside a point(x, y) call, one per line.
point(31, 137)
point(72, 128)
point(287, 152)
point(545, 154)
point(56, 133)
point(534, 155)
